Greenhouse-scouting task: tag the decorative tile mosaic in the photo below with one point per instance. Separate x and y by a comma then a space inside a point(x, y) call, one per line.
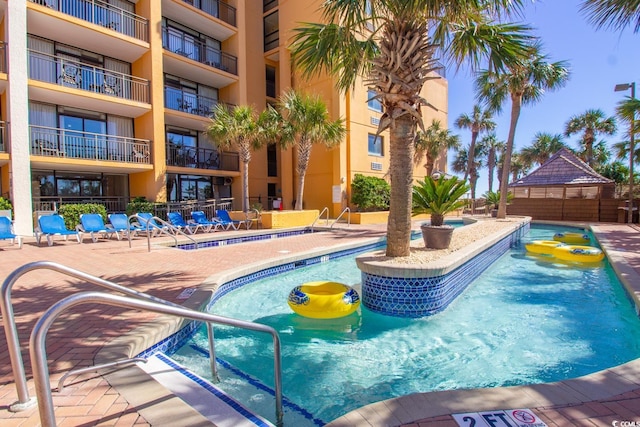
point(418, 297)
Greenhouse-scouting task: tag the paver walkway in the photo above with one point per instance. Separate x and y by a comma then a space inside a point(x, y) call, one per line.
point(75, 339)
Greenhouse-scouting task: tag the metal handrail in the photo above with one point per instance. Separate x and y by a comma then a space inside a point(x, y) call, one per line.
point(10, 329)
point(38, 354)
point(348, 211)
point(167, 229)
point(326, 209)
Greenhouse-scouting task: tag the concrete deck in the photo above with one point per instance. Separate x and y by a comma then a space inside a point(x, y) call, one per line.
point(75, 340)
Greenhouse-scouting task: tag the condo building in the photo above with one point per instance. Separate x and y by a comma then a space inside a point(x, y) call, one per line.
point(102, 101)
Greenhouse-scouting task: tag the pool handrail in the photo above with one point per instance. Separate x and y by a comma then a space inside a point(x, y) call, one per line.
point(11, 332)
point(167, 228)
point(325, 210)
point(37, 341)
point(348, 212)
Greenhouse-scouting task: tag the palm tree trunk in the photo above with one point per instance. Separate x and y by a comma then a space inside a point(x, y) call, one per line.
point(245, 186)
point(304, 153)
point(471, 154)
point(516, 104)
point(491, 164)
point(401, 171)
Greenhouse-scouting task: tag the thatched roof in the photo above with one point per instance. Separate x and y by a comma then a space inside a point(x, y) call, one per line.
point(563, 168)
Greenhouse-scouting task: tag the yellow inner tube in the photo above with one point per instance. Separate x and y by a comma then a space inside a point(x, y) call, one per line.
point(578, 253)
point(572, 238)
point(544, 247)
point(324, 300)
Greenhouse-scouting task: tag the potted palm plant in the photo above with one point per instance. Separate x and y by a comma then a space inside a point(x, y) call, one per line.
point(438, 197)
point(493, 201)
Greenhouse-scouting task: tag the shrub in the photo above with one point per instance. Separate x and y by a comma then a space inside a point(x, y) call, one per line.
point(5, 204)
point(140, 204)
point(71, 212)
point(370, 193)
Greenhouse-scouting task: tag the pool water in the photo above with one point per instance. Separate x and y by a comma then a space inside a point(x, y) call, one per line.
point(527, 319)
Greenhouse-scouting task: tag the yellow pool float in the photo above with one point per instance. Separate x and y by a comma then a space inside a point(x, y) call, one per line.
point(572, 238)
point(578, 253)
point(324, 300)
point(544, 247)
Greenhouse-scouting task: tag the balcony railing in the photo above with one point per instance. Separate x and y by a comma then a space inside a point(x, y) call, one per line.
point(185, 45)
point(52, 203)
point(201, 158)
point(3, 136)
point(216, 8)
point(64, 72)
point(54, 142)
point(200, 105)
point(104, 14)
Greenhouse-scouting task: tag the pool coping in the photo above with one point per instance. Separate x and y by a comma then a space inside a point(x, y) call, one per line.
point(139, 388)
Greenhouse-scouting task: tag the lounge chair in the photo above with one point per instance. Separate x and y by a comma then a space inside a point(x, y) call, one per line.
point(120, 223)
point(6, 231)
point(201, 218)
point(176, 219)
point(150, 225)
point(225, 219)
point(53, 225)
point(93, 224)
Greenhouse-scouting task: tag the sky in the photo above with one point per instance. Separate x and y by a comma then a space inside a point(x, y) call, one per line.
point(597, 60)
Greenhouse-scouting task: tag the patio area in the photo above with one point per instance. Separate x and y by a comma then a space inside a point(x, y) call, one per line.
point(76, 338)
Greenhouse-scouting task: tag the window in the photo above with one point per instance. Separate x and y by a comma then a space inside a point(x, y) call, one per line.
point(271, 31)
point(373, 103)
point(272, 160)
point(271, 81)
point(376, 145)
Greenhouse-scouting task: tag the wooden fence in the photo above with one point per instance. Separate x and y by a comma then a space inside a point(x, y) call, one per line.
point(587, 210)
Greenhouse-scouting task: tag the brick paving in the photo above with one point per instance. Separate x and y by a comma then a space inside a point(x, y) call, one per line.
point(75, 338)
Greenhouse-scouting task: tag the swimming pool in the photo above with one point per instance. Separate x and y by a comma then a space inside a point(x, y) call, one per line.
point(541, 321)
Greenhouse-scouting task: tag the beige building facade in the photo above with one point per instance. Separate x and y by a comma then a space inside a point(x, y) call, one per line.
point(103, 101)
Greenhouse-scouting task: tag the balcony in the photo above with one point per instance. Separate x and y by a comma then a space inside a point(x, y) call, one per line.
point(216, 8)
point(3, 137)
point(201, 158)
point(67, 144)
point(214, 18)
point(185, 45)
point(103, 14)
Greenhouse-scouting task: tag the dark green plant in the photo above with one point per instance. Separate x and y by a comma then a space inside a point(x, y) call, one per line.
point(140, 204)
point(370, 193)
point(438, 197)
point(71, 212)
point(493, 198)
point(5, 204)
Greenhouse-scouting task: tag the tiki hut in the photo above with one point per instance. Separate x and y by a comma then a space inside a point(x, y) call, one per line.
point(564, 188)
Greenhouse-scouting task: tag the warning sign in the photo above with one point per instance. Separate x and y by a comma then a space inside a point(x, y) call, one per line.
point(500, 418)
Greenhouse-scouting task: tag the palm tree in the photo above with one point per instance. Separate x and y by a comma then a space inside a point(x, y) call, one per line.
point(237, 128)
point(387, 43)
point(432, 142)
point(304, 122)
point(544, 145)
point(492, 147)
point(616, 14)
point(591, 123)
point(460, 164)
point(524, 83)
point(479, 121)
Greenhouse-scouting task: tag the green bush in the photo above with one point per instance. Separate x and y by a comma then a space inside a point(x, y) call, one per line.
point(370, 193)
point(71, 212)
point(5, 204)
point(140, 204)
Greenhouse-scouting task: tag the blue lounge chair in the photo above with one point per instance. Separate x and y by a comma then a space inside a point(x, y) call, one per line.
point(176, 219)
point(120, 223)
point(53, 225)
point(6, 231)
point(93, 224)
point(225, 219)
point(201, 218)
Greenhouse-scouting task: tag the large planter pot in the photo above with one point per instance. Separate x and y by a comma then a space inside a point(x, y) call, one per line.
point(436, 237)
